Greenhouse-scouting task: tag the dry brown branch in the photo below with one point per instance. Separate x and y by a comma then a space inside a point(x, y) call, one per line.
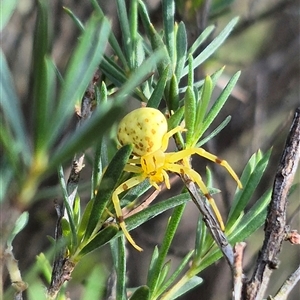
point(238, 270)
point(275, 226)
point(210, 222)
point(288, 285)
point(62, 267)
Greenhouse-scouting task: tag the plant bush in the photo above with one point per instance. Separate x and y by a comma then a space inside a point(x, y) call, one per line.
point(155, 69)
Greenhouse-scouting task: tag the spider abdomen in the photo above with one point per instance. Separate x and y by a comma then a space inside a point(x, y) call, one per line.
point(144, 128)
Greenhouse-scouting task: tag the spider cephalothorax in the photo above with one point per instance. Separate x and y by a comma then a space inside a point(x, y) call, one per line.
point(147, 130)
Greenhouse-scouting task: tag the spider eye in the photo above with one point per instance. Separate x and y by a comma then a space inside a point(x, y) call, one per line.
point(144, 128)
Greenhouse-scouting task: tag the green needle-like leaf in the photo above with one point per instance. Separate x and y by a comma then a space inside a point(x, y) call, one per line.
point(139, 75)
point(204, 100)
point(100, 239)
point(69, 208)
point(250, 184)
point(166, 285)
point(190, 115)
point(43, 81)
point(126, 33)
point(158, 92)
point(192, 283)
point(112, 38)
point(221, 100)
point(120, 267)
point(170, 232)
point(75, 19)
point(157, 43)
point(168, 7)
point(213, 46)
point(163, 274)
point(201, 38)
point(107, 186)
point(7, 9)
point(181, 50)
point(85, 220)
point(142, 292)
point(20, 223)
point(82, 66)
point(133, 19)
point(95, 283)
point(214, 132)
point(173, 97)
point(113, 72)
point(11, 112)
point(11, 162)
point(155, 210)
point(200, 240)
point(90, 132)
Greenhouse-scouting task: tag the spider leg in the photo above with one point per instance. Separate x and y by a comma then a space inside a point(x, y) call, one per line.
point(116, 201)
point(133, 169)
point(166, 137)
point(175, 157)
point(195, 177)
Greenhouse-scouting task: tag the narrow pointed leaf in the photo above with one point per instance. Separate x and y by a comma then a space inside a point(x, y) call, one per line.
point(125, 28)
point(244, 196)
point(173, 97)
point(158, 92)
point(100, 239)
point(41, 79)
point(204, 100)
point(169, 235)
point(11, 110)
point(219, 103)
point(152, 265)
point(86, 135)
point(80, 71)
point(7, 9)
point(107, 186)
point(167, 284)
point(121, 268)
point(181, 50)
point(190, 115)
point(168, 7)
point(142, 292)
point(20, 223)
point(214, 45)
point(201, 38)
point(191, 284)
point(155, 210)
point(112, 38)
point(74, 18)
point(213, 133)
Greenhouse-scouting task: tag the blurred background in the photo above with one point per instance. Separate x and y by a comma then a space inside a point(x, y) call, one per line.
point(265, 46)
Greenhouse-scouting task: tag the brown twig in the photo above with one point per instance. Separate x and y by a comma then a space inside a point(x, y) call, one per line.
point(238, 270)
point(293, 237)
point(275, 226)
point(288, 285)
point(210, 221)
point(142, 205)
point(15, 275)
point(62, 266)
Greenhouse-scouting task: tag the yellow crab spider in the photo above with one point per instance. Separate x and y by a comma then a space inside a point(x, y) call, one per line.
point(147, 130)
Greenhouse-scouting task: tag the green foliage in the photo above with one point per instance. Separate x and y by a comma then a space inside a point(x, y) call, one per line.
point(153, 74)
point(7, 9)
point(19, 225)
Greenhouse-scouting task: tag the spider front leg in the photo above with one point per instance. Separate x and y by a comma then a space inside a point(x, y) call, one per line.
point(201, 152)
point(173, 158)
point(167, 136)
point(195, 177)
point(116, 202)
